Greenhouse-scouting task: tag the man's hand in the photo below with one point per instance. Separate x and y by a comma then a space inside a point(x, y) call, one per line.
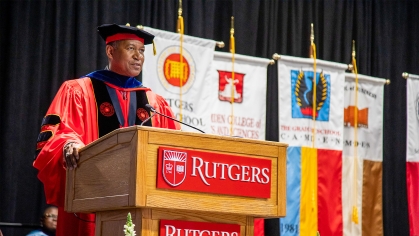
point(71, 155)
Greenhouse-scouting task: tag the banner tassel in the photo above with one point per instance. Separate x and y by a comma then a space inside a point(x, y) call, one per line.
point(181, 31)
point(313, 55)
point(154, 49)
point(232, 51)
point(355, 208)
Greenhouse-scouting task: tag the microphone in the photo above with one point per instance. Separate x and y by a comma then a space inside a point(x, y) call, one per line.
point(154, 110)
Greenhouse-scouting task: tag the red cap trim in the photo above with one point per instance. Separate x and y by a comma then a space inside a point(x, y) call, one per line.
point(123, 36)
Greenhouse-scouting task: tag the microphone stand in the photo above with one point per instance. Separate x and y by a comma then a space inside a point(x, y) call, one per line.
point(144, 121)
point(154, 110)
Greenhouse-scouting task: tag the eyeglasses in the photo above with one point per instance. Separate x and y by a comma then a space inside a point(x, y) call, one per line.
point(51, 216)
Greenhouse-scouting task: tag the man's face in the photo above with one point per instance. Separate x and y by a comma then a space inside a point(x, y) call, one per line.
point(127, 58)
point(50, 219)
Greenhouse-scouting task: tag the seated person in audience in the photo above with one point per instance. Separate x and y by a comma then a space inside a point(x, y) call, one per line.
point(48, 223)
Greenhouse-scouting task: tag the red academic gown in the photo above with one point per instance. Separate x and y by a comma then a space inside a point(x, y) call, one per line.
point(73, 117)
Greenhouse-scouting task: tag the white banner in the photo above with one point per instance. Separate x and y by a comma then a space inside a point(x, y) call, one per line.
point(163, 72)
point(369, 140)
point(369, 146)
point(412, 152)
point(248, 112)
point(295, 77)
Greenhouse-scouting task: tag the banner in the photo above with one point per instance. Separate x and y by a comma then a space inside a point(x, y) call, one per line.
point(362, 162)
point(206, 88)
point(314, 174)
point(295, 79)
point(248, 112)
point(181, 81)
point(412, 152)
point(314, 201)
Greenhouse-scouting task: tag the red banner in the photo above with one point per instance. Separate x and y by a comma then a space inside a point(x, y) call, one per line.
point(191, 228)
point(210, 172)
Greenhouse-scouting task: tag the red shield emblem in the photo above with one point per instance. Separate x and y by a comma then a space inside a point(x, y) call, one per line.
point(174, 167)
point(228, 86)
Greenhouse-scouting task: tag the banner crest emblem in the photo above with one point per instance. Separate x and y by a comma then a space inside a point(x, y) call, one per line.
point(175, 71)
point(174, 167)
point(302, 95)
point(226, 84)
point(349, 117)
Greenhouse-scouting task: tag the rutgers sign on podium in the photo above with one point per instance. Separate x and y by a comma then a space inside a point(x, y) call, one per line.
point(192, 228)
point(211, 172)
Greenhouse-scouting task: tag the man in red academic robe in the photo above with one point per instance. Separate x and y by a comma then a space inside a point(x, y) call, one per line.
point(87, 108)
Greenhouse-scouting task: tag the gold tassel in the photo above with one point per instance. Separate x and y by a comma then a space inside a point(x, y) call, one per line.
point(181, 31)
point(232, 40)
point(232, 45)
point(355, 208)
point(180, 25)
point(232, 51)
point(355, 214)
point(314, 107)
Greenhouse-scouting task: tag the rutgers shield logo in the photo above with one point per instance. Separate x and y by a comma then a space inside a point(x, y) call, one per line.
point(174, 167)
point(229, 86)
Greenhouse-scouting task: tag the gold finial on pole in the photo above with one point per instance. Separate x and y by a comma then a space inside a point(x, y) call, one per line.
point(312, 34)
point(276, 56)
point(312, 41)
point(232, 40)
point(405, 75)
point(350, 67)
point(140, 27)
point(272, 62)
point(232, 26)
point(387, 81)
point(179, 11)
point(127, 24)
point(180, 26)
point(220, 44)
point(353, 49)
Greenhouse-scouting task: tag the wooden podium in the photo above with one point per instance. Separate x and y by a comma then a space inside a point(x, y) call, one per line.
point(117, 174)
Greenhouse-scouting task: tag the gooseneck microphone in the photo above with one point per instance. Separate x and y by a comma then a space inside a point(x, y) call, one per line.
point(154, 110)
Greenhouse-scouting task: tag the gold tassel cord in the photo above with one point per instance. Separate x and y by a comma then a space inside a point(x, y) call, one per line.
point(313, 55)
point(313, 52)
point(311, 41)
point(181, 31)
point(355, 217)
point(314, 94)
point(313, 200)
point(140, 27)
point(154, 49)
point(232, 51)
